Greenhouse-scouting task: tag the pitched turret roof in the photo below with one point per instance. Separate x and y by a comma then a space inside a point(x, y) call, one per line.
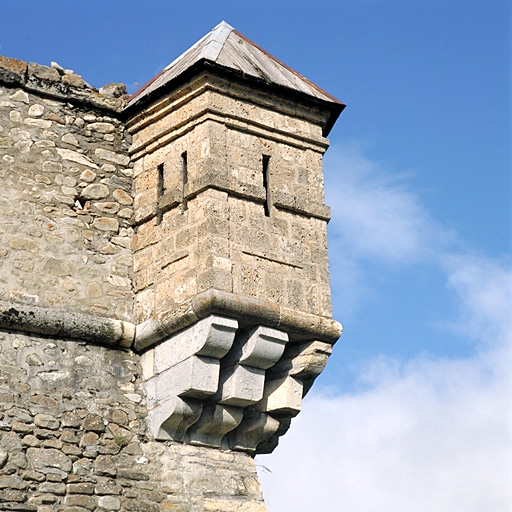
point(227, 48)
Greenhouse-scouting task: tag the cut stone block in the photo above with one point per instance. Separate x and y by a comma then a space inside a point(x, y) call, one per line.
point(241, 385)
point(172, 418)
point(215, 422)
point(210, 337)
point(281, 397)
point(196, 377)
point(260, 347)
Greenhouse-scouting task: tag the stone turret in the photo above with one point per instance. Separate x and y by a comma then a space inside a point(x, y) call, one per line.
point(230, 242)
point(164, 295)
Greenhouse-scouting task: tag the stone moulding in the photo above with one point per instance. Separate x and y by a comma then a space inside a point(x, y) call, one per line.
point(57, 322)
point(248, 310)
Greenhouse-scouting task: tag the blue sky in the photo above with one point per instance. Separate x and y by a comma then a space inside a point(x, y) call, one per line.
point(412, 411)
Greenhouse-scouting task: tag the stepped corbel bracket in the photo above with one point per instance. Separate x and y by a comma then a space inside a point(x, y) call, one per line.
point(214, 384)
point(242, 377)
point(287, 383)
point(182, 371)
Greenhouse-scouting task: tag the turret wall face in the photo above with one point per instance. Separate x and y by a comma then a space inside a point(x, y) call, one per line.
point(241, 201)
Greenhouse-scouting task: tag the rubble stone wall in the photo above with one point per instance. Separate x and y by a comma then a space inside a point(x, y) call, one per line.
point(73, 438)
point(65, 203)
point(73, 415)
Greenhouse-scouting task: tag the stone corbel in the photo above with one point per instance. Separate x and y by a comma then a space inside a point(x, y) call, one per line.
point(172, 418)
point(215, 422)
point(281, 397)
point(256, 427)
point(243, 369)
point(182, 371)
point(287, 383)
point(304, 361)
point(214, 384)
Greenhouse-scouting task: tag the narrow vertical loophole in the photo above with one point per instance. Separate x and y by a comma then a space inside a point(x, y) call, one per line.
point(266, 176)
point(184, 179)
point(160, 192)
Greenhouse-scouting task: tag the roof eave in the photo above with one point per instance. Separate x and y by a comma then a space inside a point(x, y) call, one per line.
point(334, 107)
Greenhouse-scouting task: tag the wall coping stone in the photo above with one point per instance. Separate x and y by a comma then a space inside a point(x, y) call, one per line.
point(57, 83)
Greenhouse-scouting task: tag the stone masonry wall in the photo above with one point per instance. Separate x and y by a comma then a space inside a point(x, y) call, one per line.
point(73, 439)
point(121, 228)
point(65, 199)
point(228, 227)
point(73, 415)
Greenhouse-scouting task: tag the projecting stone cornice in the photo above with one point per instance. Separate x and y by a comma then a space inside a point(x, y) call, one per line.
point(218, 384)
point(249, 311)
point(227, 371)
point(66, 324)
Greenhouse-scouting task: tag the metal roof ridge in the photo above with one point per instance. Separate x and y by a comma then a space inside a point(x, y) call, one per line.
point(223, 30)
point(230, 50)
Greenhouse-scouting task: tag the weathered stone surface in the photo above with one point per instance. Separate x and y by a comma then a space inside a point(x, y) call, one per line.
point(95, 191)
point(109, 503)
point(80, 488)
point(89, 439)
point(44, 459)
point(3, 457)
point(171, 418)
point(81, 500)
point(20, 95)
point(58, 489)
point(117, 416)
point(114, 90)
point(94, 422)
point(12, 70)
point(70, 419)
point(10, 442)
point(73, 80)
point(44, 72)
point(74, 156)
point(111, 156)
point(46, 421)
point(106, 224)
point(104, 465)
point(102, 127)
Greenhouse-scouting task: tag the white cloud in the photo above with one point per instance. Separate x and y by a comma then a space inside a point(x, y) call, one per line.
point(430, 435)
point(484, 290)
point(375, 215)
point(376, 219)
point(426, 433)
